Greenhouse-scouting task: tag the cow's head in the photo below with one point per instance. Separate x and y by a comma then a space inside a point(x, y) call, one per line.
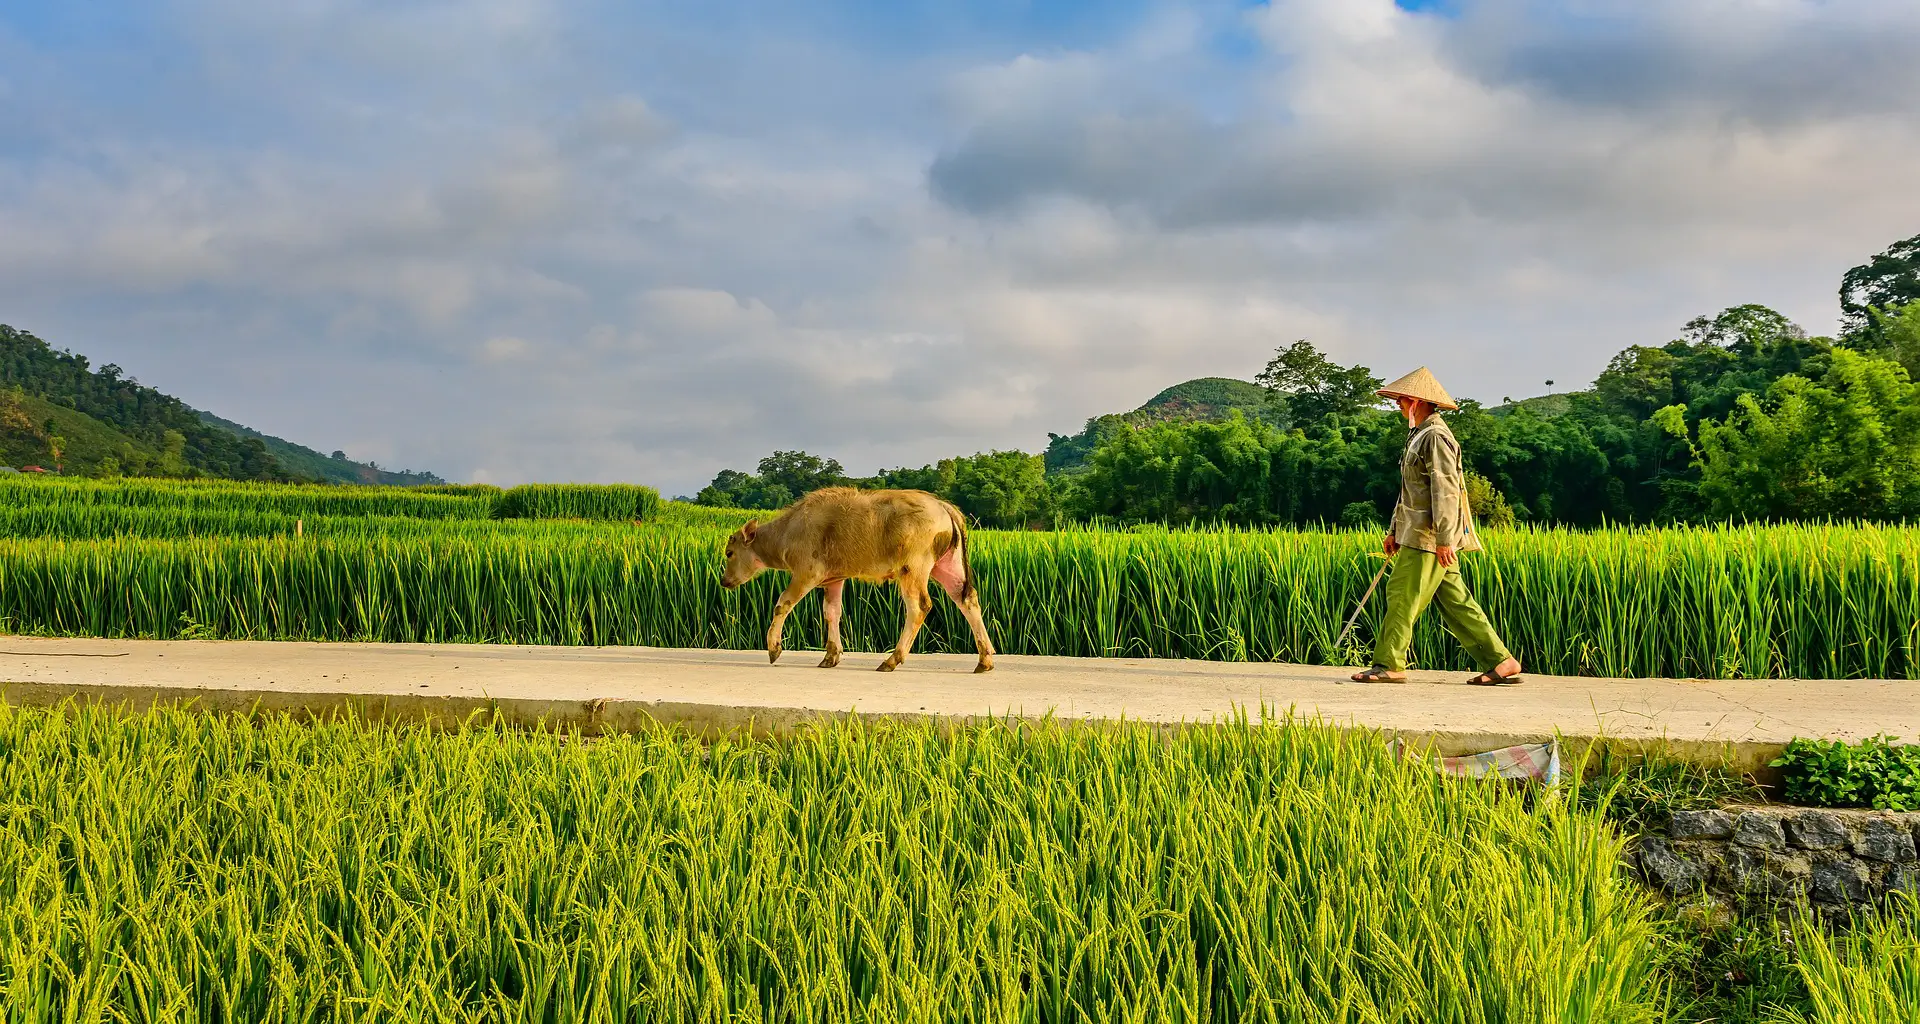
point(742, 563)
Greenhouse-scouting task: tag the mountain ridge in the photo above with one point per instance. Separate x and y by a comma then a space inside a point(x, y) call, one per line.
point(308, 462)
point(57, 411)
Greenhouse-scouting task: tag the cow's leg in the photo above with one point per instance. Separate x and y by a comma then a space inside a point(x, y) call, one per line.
point(831, 605)
point(796, 590)
point(970, 607)
point(913, 594)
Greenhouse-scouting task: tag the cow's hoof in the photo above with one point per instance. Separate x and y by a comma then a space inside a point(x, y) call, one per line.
point(887, 665)
point(773, 654)
point(985, 666)
point(832, 659)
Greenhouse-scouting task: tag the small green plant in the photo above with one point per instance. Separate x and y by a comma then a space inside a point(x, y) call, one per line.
point(191, 630)
point(1875, 772)
point(1721, 967)
point(1360, 515)
point(1640, 792)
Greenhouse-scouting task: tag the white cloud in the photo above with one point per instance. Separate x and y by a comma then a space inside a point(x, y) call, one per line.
point(520, 242)
point(504, 349)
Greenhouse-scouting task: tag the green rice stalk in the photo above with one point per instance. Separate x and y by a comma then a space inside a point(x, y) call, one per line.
point(629, 502)
point(1800, 601)
point(1868, 975)
point(171, 866)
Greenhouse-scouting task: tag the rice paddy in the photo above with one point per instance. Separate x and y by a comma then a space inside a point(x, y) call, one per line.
point(1871, 974)
point(146, 559)
point(172, 866)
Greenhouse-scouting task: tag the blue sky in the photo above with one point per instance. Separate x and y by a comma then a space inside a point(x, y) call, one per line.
point(513, 240)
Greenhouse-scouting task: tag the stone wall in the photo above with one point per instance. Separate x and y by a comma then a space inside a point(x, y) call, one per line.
point(1838, 858)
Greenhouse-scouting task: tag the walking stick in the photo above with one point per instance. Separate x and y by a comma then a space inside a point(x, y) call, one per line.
point(1364, 598)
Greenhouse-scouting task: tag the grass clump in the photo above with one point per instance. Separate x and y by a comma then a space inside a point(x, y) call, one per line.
point(1640, 790)
point(173, 866)
point(1722, 966)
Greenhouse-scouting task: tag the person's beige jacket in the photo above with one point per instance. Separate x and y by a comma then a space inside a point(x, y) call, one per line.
point(1432, 512)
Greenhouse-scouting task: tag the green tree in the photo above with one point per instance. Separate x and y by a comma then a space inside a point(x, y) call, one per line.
point(1638, 381)
point(1311, 388)
point(1751, 327)
point(1845, 445)
point(1241, 471)
point(1360, 515)
point(1070, 451)
point(800, 472)
point(133, 461)
point(1490, 507)
point(1888, 280)
point(173, 454)
point(1899, 329)
point(733, 489)
point(1001, 489)
point(926, 478)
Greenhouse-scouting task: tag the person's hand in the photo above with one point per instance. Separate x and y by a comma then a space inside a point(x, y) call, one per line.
point(1446, 555)
point(1391, 545)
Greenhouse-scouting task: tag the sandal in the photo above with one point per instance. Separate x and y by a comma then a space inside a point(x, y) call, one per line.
point(1378, 674)
point(1489, 679)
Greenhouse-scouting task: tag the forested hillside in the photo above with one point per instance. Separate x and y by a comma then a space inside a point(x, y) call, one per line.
point(336, 468)
point(59, 412)
point(1742, 416)
point(1204, 398)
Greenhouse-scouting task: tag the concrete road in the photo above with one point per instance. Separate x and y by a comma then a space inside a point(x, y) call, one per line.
point(621, 687)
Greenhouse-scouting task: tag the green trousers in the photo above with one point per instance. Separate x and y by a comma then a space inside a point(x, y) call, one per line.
point(1417, 579)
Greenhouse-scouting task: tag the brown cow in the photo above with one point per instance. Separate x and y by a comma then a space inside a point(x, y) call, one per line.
point(839, 534)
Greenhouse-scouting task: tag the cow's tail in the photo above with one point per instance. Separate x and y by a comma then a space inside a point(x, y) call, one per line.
point(959, 521)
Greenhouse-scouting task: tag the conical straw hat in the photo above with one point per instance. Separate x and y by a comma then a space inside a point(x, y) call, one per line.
point(1420, 384)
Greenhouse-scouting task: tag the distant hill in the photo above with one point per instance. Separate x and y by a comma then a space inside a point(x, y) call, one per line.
point(1544, 406)
point(104, 421)
point(303, 461)
point(1203, 398)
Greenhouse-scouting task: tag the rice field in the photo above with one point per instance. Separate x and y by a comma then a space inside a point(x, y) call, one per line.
point(152, 558)
point(628, 502)
point(172, 866)
point(1831, 602)
point(1870, 974)
point(620, 502)
point(290, 499)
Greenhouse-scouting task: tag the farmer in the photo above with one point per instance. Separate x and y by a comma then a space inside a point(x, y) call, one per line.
point(1431, 526)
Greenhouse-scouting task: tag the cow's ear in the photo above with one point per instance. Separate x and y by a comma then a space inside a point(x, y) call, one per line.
point(747, 531)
